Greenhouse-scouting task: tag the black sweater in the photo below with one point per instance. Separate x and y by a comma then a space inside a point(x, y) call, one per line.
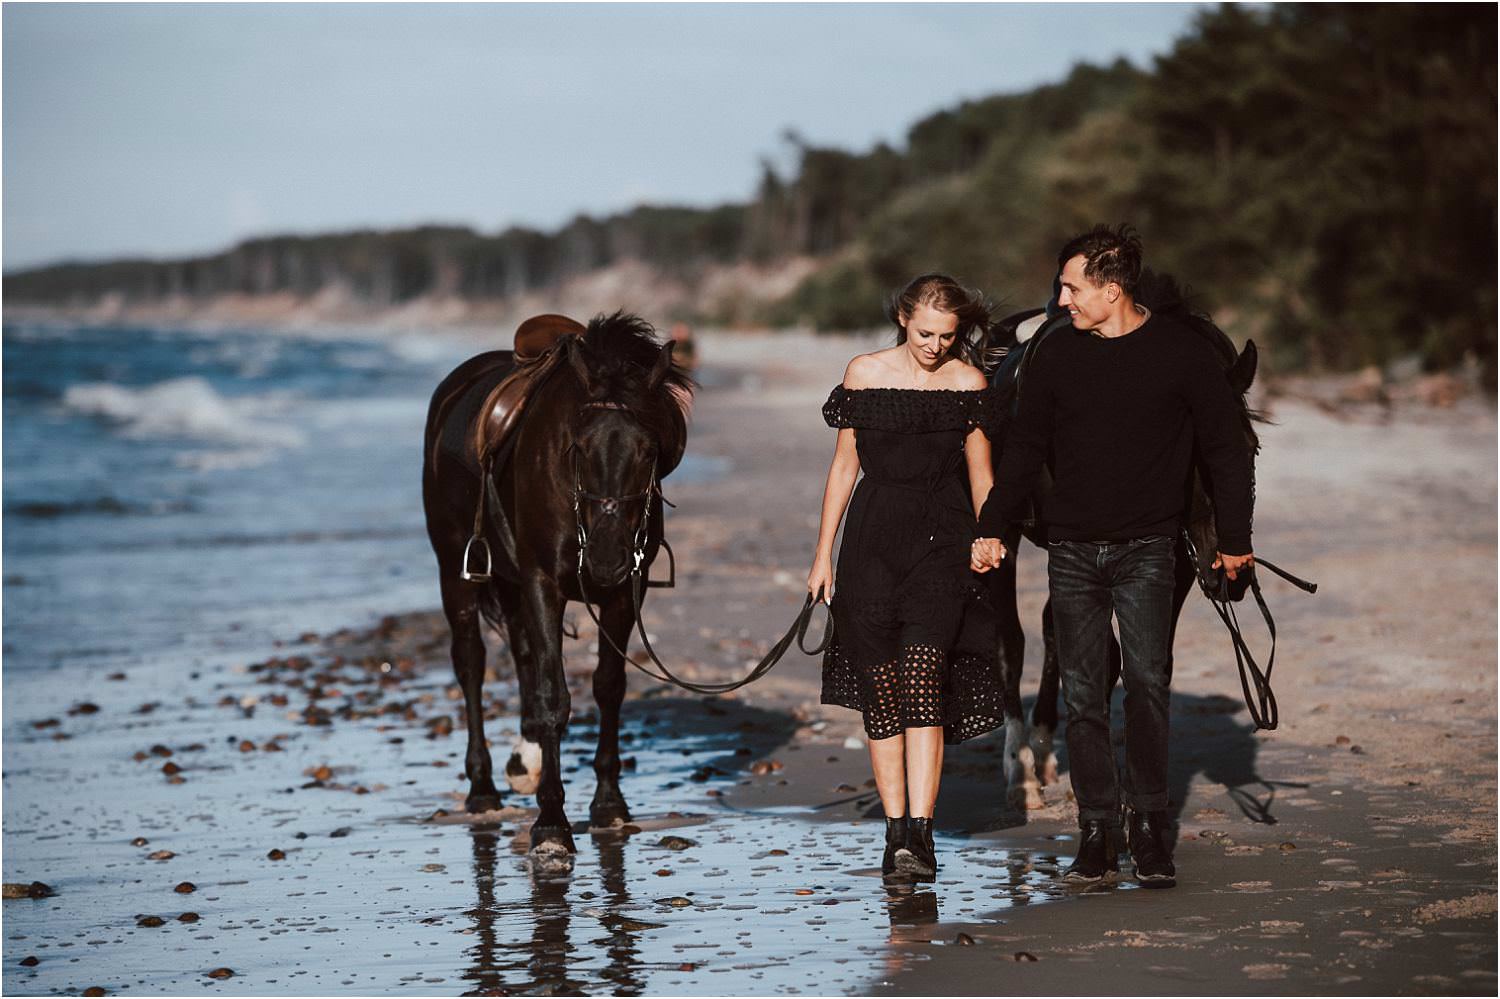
point(1119, 418)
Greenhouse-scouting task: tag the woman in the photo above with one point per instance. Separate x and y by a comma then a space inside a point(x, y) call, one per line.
point(913, 648)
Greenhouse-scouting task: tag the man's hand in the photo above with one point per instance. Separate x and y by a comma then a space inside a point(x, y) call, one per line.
point(1233, 563)
point(986, 554)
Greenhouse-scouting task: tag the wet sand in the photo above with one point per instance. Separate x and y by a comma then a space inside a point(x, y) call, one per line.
point(1352, 851)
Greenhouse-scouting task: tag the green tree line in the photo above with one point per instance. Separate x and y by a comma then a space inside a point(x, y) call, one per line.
point(1322, 176)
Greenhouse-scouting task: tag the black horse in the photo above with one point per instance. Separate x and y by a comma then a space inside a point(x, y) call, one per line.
point(1030, 762)
point(572, 503)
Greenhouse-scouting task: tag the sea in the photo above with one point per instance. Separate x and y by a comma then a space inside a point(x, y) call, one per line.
point(180, 497)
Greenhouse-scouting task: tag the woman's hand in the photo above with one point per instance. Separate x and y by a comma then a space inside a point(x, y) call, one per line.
point(986, 554)
point(820, 579)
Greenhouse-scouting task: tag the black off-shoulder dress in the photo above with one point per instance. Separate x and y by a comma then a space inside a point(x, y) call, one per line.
point(914, 633)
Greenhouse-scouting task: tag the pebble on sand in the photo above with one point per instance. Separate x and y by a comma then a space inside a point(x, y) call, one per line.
point(676, 843)
point(139, 841)
point(34, 889)
point(185, 888)
point(221, 973)
point(161, 855)
point(964, 940)
point(30, 961)
point(276, 855)
point(188, 917)
point(150, 921)
point(1025, 955)
point(94, 990)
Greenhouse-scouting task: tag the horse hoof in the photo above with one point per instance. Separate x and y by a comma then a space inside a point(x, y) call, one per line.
point(609, 816)
point(551, 857)
point(1029, 798)
point(550, 838)
point(482, 801)
point(523, 771)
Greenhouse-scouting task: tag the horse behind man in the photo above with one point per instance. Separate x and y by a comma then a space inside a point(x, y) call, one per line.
point(1030, 760)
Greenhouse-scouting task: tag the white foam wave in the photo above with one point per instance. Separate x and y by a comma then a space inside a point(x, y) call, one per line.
point(182, 408)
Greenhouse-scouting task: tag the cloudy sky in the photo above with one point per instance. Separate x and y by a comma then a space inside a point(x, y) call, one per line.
point(166, 130)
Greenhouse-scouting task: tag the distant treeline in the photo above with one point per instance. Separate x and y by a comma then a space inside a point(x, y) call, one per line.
point(1323, 176)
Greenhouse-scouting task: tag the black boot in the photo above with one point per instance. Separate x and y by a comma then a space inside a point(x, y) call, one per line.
point(1146, 835)
point(1096, 858)
point(895, 839)
point(918, 857)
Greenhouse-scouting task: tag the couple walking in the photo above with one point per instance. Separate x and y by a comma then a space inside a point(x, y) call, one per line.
point(1117, 406)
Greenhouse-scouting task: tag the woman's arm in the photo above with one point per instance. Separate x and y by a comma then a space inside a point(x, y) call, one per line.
point(836, 492)
point(981, 471)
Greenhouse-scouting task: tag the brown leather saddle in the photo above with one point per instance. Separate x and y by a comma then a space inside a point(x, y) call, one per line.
point(538, 351)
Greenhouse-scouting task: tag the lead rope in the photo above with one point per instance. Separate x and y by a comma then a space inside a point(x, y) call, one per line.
point(797, 632)
point(1262, 703)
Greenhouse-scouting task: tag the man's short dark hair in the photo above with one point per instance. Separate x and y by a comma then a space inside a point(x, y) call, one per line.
point(1109, 255)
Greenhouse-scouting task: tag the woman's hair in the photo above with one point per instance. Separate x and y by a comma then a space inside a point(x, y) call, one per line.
point(941, 292)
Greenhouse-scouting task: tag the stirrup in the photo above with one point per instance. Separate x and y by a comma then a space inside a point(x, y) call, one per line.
point(489, 565)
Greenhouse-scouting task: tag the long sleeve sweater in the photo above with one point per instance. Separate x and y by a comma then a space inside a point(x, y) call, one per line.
point(1120, 419)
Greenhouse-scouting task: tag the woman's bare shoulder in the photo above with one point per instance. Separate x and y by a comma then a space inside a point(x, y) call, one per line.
point(966, 377)
point(867, 370)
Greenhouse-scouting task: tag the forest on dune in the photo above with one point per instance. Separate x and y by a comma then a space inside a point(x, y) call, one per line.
point(1322, 175)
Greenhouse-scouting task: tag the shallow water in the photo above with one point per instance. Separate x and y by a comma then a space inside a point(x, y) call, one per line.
point(378, 894)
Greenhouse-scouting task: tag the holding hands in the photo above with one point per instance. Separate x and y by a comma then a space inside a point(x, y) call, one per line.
point(986, 554)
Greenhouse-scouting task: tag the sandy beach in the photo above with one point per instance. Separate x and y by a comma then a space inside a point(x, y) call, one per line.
point(292, 823)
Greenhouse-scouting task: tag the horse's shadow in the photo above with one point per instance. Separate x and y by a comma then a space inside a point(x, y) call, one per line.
point(1211, 739)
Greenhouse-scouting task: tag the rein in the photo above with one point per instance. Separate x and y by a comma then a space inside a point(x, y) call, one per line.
point(609, 506)
point(1262, 703)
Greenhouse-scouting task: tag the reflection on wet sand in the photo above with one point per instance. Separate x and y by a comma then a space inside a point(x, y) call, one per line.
point(542, 962)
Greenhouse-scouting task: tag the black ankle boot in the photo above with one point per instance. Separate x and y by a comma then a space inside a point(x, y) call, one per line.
point(918, 857)
point(1146, 835)
point(895, 839)
point(1096, 858)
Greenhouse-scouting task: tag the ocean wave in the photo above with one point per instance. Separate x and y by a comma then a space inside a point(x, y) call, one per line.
point(105, 505)
point(182, 408)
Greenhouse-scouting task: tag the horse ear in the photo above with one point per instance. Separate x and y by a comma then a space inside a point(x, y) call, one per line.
point(662, 366)
point(576, 349)
point(1242, 372)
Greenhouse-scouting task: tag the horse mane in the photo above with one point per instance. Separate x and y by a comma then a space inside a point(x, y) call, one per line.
point(1164, 296)
point(620, 351)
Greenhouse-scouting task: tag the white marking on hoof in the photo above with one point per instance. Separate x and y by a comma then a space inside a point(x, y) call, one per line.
point(523, 771)
point(1020, 767)
point(1041, 746)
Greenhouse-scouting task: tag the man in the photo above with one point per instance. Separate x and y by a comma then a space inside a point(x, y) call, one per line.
point(1119, 403)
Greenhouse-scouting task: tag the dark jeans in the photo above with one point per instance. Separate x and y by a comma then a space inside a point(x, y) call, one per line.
point(1133, 581)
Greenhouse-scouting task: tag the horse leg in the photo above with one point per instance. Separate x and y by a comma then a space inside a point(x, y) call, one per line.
point(617, 617)
point(545, 707)
point(1184, 579)
point(1044, 713)
point(1020, 762)
point(461, 607)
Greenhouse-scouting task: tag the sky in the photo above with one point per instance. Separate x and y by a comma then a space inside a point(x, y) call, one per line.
point(177, 130)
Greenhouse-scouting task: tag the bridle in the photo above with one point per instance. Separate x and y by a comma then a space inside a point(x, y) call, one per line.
point(610, 506)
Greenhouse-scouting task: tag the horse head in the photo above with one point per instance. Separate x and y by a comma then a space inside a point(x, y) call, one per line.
point(1200, 522)
point(628, 433)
